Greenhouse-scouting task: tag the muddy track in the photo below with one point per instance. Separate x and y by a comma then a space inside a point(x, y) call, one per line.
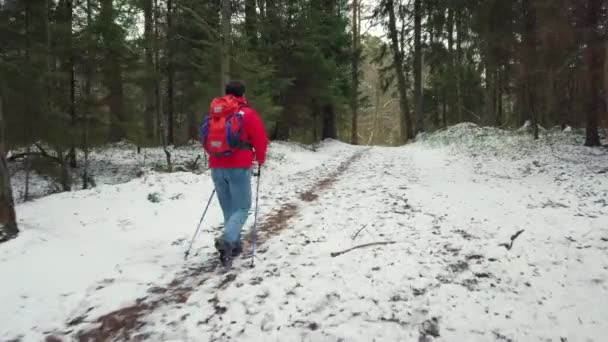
point(124, 323)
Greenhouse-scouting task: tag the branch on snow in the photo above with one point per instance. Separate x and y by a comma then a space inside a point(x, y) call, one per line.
point(335, 254)
point(358, 231)
point(508, 246)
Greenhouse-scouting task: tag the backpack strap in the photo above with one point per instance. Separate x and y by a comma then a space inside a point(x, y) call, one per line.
point(237, 142)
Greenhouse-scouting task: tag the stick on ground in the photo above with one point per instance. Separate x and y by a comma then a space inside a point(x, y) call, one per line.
point(358, 231)
point(335, 254)
point(508, 246)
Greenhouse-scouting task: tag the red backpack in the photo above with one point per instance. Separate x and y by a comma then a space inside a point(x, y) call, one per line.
point(221, 132)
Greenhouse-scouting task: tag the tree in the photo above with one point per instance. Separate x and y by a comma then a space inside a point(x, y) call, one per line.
point(529, 66)
point(170, 75)
point(355, 68)
point(149, 70)
point(405, 122)
point(113, 41)
point(8, 224)
point(595, 55)
point(418, 66)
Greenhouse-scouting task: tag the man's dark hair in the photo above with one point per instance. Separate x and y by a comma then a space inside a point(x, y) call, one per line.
point(236, 88)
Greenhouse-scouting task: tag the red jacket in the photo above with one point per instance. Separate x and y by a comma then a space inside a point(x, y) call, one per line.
point(254, 134)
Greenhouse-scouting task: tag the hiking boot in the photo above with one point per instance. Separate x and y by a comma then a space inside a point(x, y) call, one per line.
point(222, 246)
point(236, 251)
point(226, 260)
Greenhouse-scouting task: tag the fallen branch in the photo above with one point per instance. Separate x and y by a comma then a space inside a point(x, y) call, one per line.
point(358, 231)
point(335, 254)
point(42, 153)
point(23, 155)
point(508, 246)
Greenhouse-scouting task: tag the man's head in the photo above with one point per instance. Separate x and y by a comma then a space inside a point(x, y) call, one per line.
point(236, 88)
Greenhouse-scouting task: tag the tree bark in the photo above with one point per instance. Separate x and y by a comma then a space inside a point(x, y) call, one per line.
point(529, 63)
point(499, 109)
point(149, 77)
point(170, 75)
point(157, 76)
point(594, 58)
point(8, 222)
point(88, 69)
point(355, 72)
point(405, 123)
point(451, 66)
point(458, 62)
point(418, 67)
point(67, 79)
point(329, 122)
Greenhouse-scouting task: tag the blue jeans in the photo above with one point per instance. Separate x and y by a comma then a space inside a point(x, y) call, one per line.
point(233, 188)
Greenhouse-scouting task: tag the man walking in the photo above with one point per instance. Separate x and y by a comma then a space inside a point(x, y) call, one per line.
point(233, 136)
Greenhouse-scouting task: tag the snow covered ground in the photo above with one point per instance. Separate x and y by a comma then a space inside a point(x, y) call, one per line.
point(111, 164)
point(442, 212)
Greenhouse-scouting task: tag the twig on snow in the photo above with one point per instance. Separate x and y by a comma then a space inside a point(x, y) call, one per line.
point(335, 254)
point(508, 246)
point(358, 231)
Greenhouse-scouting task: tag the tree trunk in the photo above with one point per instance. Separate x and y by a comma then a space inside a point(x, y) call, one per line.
point(329, 123)
point(458, 67)
point(68, 79)
point(193, 125)
point(157, 76)
point(72, 153)
point(149, 69)
point(405, 124)
point(88, 69)
point(377, 94)
point(170, 76)
point(498, 89)
point(488, 95)
point(8, 222)
point(112, 71)
point(226, 42)
point(529, 62)
point(27, 106)
point(444, 111)
point(594, 58)
point(418, 66)
point(251, 24)
point(451, 66)
point(355, 72)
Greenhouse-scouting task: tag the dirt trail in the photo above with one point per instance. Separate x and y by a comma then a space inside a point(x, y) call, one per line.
point(125, 322)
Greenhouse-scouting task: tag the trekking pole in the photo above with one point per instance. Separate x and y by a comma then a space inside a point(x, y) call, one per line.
point(199, 225)
point(255, 216)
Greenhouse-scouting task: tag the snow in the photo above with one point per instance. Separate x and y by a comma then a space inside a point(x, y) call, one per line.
point(111, 164)
point(445, 204)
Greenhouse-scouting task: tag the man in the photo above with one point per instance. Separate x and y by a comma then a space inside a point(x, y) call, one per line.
point(231, 172)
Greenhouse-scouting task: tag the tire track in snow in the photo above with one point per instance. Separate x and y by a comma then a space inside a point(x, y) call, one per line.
point(125, 323)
